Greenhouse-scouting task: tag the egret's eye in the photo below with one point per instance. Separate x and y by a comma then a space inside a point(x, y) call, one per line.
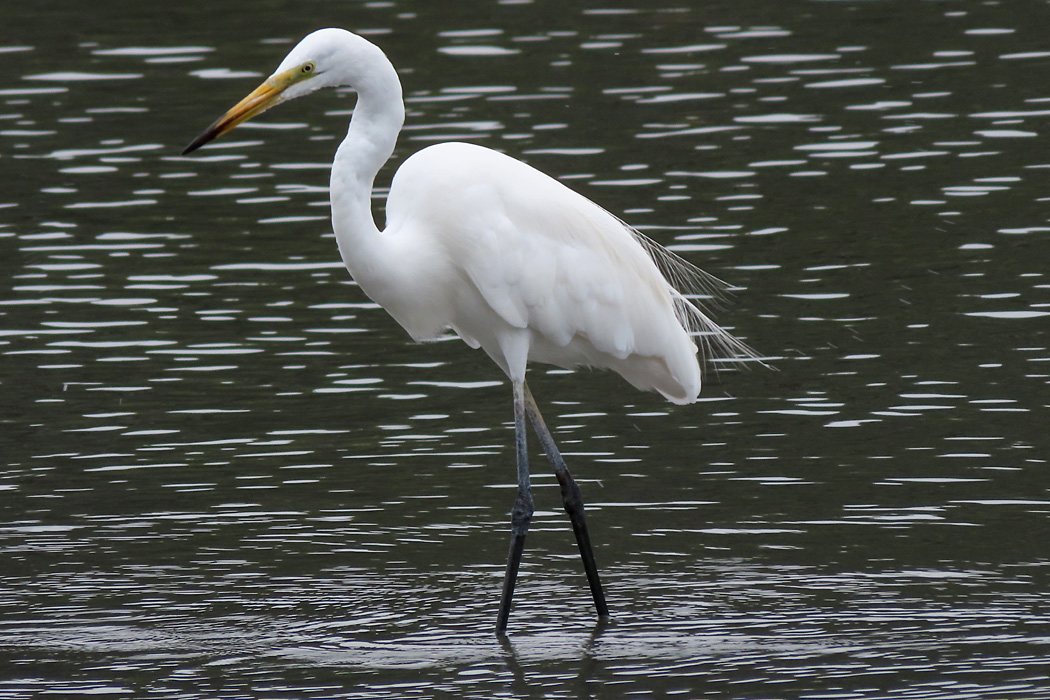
point(307, 68)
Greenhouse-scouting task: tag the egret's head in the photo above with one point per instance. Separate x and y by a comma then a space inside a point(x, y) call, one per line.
point(325, 58)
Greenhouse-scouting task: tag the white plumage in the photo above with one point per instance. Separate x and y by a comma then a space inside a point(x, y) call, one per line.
point(513, 261)
point(528, 269)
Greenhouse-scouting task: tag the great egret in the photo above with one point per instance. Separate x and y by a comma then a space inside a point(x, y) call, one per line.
point(508, 258)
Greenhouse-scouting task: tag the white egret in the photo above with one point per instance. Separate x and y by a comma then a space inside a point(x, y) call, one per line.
point(511, 260)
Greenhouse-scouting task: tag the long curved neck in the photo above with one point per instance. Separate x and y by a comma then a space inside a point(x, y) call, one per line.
point(377, 120)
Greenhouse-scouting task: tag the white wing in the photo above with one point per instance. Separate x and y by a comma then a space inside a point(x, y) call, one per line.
point(537, 261)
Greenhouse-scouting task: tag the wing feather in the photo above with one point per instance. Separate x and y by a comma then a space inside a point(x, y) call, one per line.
point(588, 288)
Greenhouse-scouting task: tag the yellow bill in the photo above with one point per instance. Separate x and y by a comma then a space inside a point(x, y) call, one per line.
point(261, 99)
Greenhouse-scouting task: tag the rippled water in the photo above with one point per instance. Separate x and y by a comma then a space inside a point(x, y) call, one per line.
point(227, 474)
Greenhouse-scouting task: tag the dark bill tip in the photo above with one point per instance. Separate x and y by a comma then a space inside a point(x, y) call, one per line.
point(205, 136)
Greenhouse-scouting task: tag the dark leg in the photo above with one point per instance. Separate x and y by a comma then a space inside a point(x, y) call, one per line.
point(521, 515)
point(571, 498)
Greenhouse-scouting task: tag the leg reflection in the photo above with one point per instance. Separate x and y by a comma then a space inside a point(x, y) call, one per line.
point(583, 685)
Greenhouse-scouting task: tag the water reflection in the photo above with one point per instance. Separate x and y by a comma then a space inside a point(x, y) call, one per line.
point(228, 474)
point(865, 626)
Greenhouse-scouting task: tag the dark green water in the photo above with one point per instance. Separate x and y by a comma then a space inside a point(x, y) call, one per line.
point(226, 474)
